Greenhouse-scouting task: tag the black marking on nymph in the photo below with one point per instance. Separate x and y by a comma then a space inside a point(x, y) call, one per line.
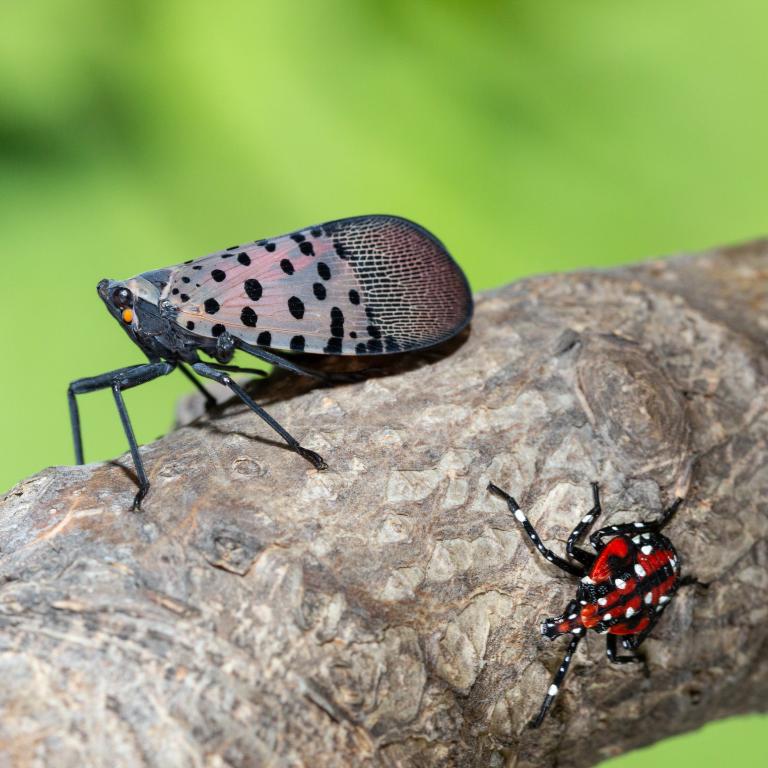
point(297, 237)
point(354, 297)
point(323, 270)
point(248, 317)
point(264, 339)
point(319, 290)
point(296, 307)
point(211, 306)
point(297, 343)
point(219, 275)
point(337, 323)
point(306, 248)
point(253, 288)
point(244, 259)
point(333, 347)
point(287, 267)
point(217, 330)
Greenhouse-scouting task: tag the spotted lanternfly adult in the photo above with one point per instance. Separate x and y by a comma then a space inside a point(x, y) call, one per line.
point(368, 285)
point(623, 589)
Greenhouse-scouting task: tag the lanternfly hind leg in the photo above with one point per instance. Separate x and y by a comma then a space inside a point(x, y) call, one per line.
point(585, 558)
point(514, 508)
point(123, 378)
point(554, 688)
point(313, 458)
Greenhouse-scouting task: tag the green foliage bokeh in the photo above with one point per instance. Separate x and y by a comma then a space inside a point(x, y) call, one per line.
point(530, 136)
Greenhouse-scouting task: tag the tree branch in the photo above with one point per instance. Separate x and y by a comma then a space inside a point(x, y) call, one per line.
point(385, 612)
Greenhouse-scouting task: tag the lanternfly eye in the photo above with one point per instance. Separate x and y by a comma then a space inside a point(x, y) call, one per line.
point(122, 298)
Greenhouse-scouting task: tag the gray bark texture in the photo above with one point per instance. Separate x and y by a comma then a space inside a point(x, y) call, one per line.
point(385, 612)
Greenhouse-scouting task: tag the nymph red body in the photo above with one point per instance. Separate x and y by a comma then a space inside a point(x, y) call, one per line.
point(623, 588)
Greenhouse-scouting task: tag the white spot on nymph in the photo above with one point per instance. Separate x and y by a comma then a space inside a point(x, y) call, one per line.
point(587, 580)
point(576, 631)
point(550, 558)
point(639, 525)
point(587, 519)
point(567, 659)
point(620, 583)
point(607, 617)
point(648, 599)
point(673, 562)
point(639, 570)
point(519, 516)
point(647, 549)
point(572, 617)
point(630, 613)
point(552, 690)
point(582, 602)
point(636, 540)
point(664, 599)
point(659, 608)
point(601, 601)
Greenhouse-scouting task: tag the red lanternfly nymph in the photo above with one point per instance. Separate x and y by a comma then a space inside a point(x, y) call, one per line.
point(369, 285)
point(623, 589)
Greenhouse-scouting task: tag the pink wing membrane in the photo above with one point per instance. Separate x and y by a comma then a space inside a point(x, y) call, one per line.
point(366, 285)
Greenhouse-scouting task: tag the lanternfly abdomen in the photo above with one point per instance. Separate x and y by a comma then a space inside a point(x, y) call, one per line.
point(368, 285)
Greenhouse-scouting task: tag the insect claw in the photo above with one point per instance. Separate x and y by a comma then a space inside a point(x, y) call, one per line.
point(136, 506)
point(315, 459)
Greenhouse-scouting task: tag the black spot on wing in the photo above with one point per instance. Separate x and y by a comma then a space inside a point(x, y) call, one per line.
point(323, 270)
point(219, 275)
point(264, 339)
point(253, 289)
point(244, 259)
point(297, 343)
point(217, 330)
point(319, 290)
point(296, 307)
point(287, 267)
point(211, 306)
point(249, 317)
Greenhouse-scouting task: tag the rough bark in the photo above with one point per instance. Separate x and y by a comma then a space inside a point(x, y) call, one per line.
point(385, 612)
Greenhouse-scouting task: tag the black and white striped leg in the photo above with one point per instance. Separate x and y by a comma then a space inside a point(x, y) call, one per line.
point(633, 529)
point(557, 682)
point(514, 508)
point(206, 370)
point(612, 654)
point(584, 557)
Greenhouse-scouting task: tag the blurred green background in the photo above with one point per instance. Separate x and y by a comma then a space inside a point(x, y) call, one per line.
point(530, 136)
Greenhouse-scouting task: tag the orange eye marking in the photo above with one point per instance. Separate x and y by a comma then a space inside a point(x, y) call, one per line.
point(127, 315)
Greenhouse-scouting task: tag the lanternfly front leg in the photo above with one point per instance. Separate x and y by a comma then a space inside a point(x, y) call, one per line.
point(554, 688)
point(585, 558)
point(123, 378)
point(633, 529)
point(313, 458)
point(514, 508)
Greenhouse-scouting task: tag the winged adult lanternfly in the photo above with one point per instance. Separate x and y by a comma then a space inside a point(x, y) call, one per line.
point(367, 285)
